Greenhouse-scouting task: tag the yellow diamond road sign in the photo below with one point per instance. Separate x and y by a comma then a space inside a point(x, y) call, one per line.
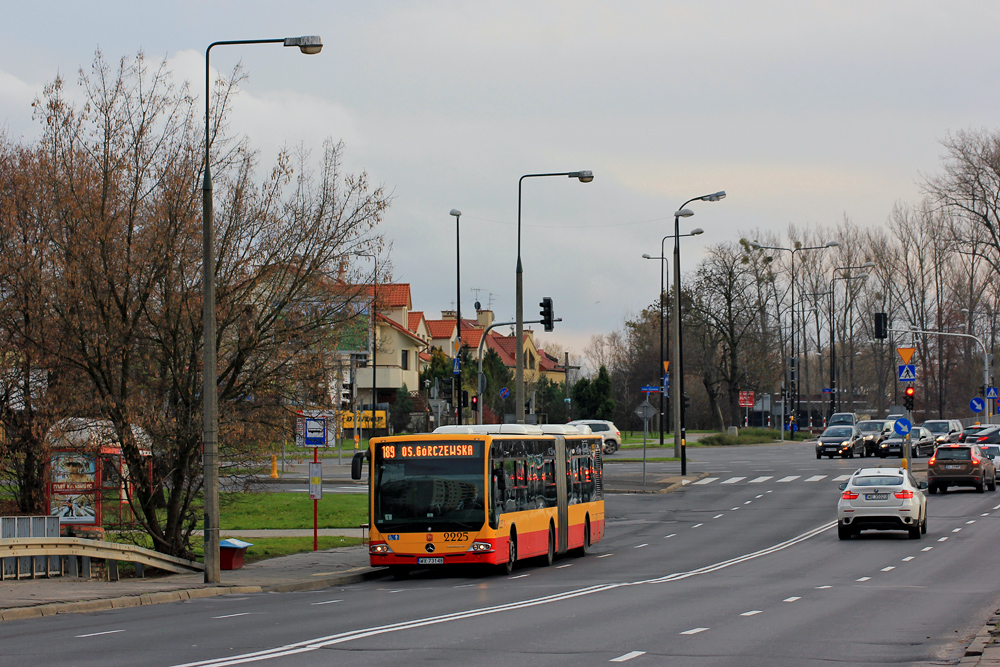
point(905, 353)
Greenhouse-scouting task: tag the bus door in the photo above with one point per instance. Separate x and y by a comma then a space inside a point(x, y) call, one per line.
point(562, 500)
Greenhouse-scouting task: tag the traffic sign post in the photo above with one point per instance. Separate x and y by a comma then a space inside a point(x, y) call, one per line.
point(645, 412)
point(907, 373)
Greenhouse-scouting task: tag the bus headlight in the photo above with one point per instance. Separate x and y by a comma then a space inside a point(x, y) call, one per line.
point(480, 547)
point(379, 549)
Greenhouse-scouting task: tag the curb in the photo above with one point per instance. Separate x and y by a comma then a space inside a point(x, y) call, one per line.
point(105, 604)
point(982, 650)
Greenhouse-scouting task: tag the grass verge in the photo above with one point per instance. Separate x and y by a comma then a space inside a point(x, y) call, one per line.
point(255, 511)
point(747, 436)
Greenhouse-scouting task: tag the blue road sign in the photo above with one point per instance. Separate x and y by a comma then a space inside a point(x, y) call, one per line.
point(902, 426)
point(504, 392)
point(991, 392)
point(827, 390)
point(650, 389)
point(907, 373)
point(315, 431)
point(977, 404)
point(455, 368)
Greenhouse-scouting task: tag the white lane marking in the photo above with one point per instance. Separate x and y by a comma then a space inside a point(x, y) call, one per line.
point(707, 480)
point(752, 613)
point(520, 576)
point(790, 478)
point(841, 478)
point(985, 514)
point(927, 548)
point(717, 516)
point(908, 559)
point(96, 634)
point(942, 539)
point(997, 507)
point(694, 631)
point(956, 530)
point(891, 567)
point(627, 656)
point(332, 601)
point(792, 599)
point(639, 546)
point(748, 502)
point(670, 535)
point(970, 521)
point(697, 524)
point(317, 643)
point(759, 496)
point(244, 613)
point(733, 509)
point(758, 480)
point(733, 480)
point(863, 579)
point(559, 567)
point(820, 588)
point(770, 490)
point(814, 478)
point(685, 482)
point(605, 555)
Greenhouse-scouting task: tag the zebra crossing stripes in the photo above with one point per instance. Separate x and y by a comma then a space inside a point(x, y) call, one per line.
point(758, 480)
point(707, 480)
point(789, 478)
point(841, 478)
point(733, 480)
point(815, 478)
point(764, 478)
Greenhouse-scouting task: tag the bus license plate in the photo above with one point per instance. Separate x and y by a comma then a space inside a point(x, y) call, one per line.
point(430, 561)
point(876, 496)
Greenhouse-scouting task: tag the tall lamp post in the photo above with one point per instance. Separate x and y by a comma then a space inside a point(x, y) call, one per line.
point(456, 378)
point(834, 399)
point(210, 401)
point(677, 375)
point(585, 176)
point(792, 251)
point(664, 267)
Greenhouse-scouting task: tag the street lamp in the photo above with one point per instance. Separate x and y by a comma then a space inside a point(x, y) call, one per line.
point(584, 176)
point(373, 313)
point(456, 378)
point(792, 251)
point(834, 399)
point(677, 376)
point(210, 401)
point(664, 267)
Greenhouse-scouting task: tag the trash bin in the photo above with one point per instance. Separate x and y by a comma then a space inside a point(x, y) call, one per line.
point(231, 553)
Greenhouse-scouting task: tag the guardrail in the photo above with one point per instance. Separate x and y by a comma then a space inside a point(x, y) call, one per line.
point(18, 547)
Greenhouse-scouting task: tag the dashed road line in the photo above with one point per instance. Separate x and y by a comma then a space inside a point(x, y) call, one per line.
point(639, 546)
point(605, 555)
point(887, 569)
point(559, 567)
point(942, 539)
point(908, 559)
point(718, 515)
point(332, 601)
point(956, 530)
point(694, 631)
point(792, 599)
point(520, 576)
point(970, 521)
point(863, 579)
point(697, 524)
point(97, 634)
point(748, 502)
point(627, 656)
point(760, 495)
point(243, 613)
point(752, 613)
point(670, 535)
point(927, 548)
point(820, 588)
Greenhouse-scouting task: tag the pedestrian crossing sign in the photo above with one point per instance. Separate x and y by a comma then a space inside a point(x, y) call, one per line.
point(907, 373)
point(991, 392)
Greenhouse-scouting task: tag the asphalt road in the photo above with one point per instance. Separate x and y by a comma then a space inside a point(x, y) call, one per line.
point(728, 571)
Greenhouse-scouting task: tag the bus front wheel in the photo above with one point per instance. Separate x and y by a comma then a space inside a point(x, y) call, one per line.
point(508, 567)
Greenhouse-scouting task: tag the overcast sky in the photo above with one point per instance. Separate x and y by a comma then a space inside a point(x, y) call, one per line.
point(802, 111)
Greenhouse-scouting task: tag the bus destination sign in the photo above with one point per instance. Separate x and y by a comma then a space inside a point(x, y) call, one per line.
point(430, 451)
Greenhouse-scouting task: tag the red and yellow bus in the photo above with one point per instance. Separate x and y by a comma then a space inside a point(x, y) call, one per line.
point(488, 494)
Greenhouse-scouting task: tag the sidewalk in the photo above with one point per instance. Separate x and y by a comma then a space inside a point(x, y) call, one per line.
point(298, 572)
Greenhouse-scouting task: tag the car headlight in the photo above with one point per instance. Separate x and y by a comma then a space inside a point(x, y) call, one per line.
point(379, 549)
point(845, 443)
point(480, 547)
point(942, 438)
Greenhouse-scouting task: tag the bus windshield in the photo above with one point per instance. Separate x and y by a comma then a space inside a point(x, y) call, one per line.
point(429, 486)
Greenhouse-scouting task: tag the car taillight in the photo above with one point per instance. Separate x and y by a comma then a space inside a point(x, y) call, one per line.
point(931, 460)
point(975, 461)
point(849, 495)
point(904, 494)
point(983, 438)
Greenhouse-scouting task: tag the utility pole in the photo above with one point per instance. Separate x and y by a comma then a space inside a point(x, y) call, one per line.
point(566, 382)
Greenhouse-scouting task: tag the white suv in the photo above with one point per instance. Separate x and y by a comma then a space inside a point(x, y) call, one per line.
point(609, 433)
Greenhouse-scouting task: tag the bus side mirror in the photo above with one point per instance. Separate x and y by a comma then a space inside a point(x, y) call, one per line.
point(356, 464)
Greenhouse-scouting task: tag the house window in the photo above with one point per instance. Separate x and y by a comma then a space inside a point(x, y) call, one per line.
point(531, 363)
point(405, 360)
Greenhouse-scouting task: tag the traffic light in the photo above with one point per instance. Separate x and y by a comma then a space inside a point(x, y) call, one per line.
point(546, 312)
point(908, 398)
point(346, 395)
point(687, 402)
point(881, 325)
point(475, 403)
point(465, 399)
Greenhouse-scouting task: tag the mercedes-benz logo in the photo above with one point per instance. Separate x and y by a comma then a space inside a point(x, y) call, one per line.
point(429, 548)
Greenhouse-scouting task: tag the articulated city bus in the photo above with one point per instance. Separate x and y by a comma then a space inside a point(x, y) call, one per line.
point(485, 494)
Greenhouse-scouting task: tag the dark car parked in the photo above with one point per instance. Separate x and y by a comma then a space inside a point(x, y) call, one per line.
point(960, 465)
point(971, 430)
point(987, 435)
point(844, 441)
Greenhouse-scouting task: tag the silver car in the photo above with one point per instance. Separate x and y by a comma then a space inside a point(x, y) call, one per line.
point(882, 499)
point(610, 435)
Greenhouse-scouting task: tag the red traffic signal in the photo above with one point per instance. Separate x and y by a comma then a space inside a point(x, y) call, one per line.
point(910, 391)
point(908, 397)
